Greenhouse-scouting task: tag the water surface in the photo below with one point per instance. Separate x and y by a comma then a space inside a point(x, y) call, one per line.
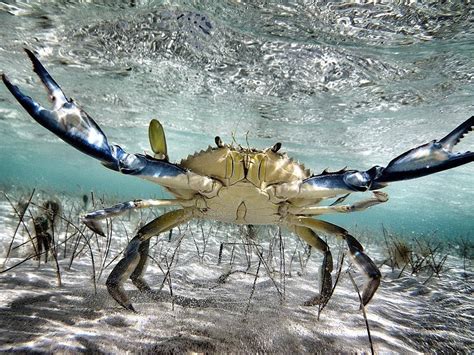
point(338, 83)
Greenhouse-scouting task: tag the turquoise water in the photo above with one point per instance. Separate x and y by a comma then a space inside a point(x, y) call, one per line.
point(338, 83)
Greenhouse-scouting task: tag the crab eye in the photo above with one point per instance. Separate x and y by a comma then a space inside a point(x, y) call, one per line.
point(218, 142)
point(437, 145)
point(276, 147)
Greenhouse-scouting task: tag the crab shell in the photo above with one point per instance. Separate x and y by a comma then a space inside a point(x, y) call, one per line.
point(243, 176)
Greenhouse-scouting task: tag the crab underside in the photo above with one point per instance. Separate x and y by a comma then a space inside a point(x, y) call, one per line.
point(235, 184)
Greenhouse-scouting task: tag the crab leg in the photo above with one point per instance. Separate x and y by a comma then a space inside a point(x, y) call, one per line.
point(378, 197)
point(325, 280)
point(123, 207)
point(73, 125)
point(91, 219)
point(363, 262)
point(133, 264)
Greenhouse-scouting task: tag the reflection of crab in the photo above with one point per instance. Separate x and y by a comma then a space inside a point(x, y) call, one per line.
point(235, 184)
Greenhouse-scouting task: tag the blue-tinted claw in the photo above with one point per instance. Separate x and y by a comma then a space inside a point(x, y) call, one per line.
point(55, 93)
point(73, 125)
point(424, 160)
point(66, 119)
point(429, 158)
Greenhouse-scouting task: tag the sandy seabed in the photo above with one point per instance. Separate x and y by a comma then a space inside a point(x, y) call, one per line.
point(244, 303)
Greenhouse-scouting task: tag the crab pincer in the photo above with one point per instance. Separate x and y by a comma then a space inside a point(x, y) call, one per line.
point(429, 158)
point(423, 160)
point(66, 119)
point(73, 125)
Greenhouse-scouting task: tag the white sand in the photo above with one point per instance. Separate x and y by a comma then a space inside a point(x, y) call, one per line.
point(405, 316)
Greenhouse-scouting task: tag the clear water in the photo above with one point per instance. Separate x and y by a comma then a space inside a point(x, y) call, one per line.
point(338, 83)
point(343, 83)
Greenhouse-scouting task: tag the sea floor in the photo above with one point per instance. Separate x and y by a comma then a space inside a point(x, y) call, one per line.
point(222, 288)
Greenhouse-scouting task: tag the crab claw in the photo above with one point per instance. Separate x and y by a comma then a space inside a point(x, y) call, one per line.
point(66, 119)
point(426, 159)
point(74, 126)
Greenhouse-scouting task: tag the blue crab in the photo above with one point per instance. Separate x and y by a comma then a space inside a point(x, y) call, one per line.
point(234, 184)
